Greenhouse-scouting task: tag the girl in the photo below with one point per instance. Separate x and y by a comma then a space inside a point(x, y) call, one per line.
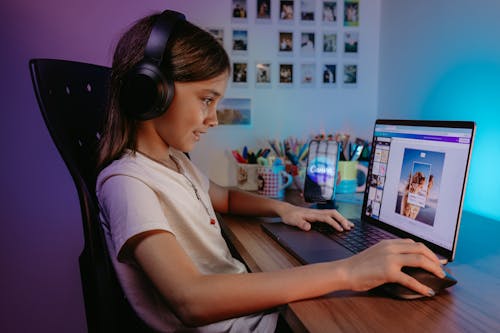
point(158, 209)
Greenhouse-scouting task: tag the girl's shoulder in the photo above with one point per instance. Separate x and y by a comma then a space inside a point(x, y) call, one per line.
point(128, 165)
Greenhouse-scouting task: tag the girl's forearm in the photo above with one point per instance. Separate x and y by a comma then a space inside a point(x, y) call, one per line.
point(220, 297)
point(246, 203)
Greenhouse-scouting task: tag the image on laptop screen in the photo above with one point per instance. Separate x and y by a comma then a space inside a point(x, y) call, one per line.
point(416, 179)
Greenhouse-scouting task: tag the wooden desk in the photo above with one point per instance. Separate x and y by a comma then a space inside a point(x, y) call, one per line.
point(472, 305)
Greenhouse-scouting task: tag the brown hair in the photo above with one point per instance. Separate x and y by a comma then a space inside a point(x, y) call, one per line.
point(191, 54)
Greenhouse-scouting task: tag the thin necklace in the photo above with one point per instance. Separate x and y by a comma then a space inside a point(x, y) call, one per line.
point(181, 171)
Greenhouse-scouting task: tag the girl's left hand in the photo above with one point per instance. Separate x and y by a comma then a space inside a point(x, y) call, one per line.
point(302, 218)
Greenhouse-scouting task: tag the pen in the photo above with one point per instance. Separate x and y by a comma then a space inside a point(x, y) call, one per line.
point(262, 161)
point(357, 152)
point(302, 152)
point(252, 159)
point(273, 146)
point(292, 157)
point(345, 151)
point(238, 157)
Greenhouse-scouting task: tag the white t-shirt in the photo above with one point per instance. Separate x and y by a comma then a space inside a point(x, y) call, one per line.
point(138, 194)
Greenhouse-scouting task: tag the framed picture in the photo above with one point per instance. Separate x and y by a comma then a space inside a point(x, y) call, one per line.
point(286, 74)
point(285, 43)
point(286, 11)
point(329, 43)
point(239, 10)
point(234, 111)
point(308, 75)
point(263, 74)
point(329, 75)
point(240, 41)
point(350, 75)
point(307, 10)
point(329, 12)
point(351, 13)
point(263, 10)
point(307, 44)
point(240, 70)
point(351, 41)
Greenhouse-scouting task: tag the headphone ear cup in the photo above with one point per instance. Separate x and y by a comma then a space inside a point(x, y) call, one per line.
point(145, 92)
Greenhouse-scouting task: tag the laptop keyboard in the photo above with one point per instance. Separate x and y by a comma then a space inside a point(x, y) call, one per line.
point(359, 238)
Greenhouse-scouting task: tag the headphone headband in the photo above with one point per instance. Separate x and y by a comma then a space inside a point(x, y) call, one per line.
point(162, 29)
point(146, 90)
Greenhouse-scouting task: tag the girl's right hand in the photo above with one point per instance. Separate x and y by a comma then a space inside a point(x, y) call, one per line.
point(382, 263)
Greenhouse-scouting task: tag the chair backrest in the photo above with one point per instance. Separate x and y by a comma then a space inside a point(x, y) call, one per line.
point(72, 97)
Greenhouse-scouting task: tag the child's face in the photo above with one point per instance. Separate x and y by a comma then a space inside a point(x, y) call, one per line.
point(192, 112)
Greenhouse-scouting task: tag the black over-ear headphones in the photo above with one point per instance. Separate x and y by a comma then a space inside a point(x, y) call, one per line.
point(146, 91)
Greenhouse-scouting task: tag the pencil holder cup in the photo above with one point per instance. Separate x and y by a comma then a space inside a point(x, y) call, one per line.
point(247, 177)
point(352, 176)
point(273, 180)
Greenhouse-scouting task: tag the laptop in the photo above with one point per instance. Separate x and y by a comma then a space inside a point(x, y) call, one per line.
point(415, 188)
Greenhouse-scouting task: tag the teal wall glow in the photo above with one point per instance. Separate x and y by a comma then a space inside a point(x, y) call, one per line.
point(441, 60)
point(472, 91)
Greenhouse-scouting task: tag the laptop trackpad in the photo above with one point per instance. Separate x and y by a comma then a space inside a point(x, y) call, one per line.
point(307, 246)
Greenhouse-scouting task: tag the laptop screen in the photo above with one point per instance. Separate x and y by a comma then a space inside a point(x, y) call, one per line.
point(416, 178)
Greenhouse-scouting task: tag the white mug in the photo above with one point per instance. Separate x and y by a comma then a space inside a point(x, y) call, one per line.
point(247, 177)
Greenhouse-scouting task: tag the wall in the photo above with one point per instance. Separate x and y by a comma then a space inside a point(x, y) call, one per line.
point(41, 234)
point(441, 60)
point(280, 112)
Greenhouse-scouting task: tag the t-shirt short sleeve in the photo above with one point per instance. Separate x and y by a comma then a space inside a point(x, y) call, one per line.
point(130, 207)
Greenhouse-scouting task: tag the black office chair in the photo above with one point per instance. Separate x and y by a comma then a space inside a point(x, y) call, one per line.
point(72, 97)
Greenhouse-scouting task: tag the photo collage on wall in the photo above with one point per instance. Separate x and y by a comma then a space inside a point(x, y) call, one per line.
point(317, 43)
